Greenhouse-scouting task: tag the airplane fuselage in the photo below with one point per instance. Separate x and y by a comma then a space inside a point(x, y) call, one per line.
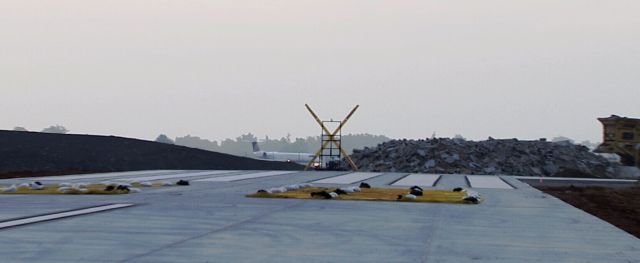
point(303, 158)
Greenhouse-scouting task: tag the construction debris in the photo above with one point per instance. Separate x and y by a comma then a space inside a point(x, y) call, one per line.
point(182, 182)
point(491, 157)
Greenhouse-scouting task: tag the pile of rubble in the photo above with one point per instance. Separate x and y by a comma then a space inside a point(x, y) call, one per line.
point(510, 157)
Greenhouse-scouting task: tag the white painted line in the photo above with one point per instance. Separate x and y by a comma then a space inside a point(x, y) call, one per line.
point(487, 181)
point(36, 219)
point(576, 179)
point(96, 176)
point(427, 180)
point(347, 178)
point(172, 176)
point(238, 177)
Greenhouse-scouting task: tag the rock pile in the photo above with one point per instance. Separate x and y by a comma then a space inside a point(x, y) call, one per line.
point(492, 157)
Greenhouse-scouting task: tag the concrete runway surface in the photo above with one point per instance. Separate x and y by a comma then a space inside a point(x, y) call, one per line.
point(212, 221)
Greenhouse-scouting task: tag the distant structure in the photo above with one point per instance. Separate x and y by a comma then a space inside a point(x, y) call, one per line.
point(164, 139)
point(59, 129)
point(621, 136)
point(331, 145)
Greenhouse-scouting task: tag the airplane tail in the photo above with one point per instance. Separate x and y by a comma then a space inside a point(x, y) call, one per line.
point(256, 148)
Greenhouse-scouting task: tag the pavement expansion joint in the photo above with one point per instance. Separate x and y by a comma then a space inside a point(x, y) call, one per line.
point(59, 215)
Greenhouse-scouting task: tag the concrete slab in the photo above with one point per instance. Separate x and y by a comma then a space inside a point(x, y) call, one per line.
point(423, 180)
point(558, 183)
point(239, 177)
point(59, 215)
point(578, 182)
point(98, 176)
point(577, 179)
point(18, 206)
point(487, 181)
point(385, 180)
point(172, 176)
point(451, 181)
point(348, 178)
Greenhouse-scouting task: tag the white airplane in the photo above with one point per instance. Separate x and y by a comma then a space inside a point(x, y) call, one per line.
point(302, 158)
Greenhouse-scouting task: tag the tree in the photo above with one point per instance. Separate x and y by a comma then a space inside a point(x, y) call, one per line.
point(562, 139)
point(459, 137)
point(249, 137)
point(592, 146)
point(56, 129)
point(164, 139)
point(18, 128)
point(197, 142)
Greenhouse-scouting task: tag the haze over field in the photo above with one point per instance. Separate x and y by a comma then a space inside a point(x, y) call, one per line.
point(216, 69)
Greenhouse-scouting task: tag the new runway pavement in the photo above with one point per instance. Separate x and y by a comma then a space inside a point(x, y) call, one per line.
point(212, 221)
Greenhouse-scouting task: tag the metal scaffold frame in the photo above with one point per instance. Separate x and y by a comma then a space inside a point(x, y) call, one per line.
point(331, 141)
point(331, 152)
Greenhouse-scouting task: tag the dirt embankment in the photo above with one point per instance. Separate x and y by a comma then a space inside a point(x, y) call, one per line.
point(37, 154)
point(618, 206)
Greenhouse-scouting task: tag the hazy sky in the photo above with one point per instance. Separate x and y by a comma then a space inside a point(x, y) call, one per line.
point(217, 69)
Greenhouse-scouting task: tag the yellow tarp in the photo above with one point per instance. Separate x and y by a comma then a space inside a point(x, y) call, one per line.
point(94, 189)
point(374, 194)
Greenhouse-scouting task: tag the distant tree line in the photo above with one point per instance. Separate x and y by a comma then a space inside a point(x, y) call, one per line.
point(242, 144)
point(587, 143)
point(162, 138)
point(51, 129)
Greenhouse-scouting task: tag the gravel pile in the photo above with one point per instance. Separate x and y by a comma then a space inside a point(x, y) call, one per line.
point(492, 157)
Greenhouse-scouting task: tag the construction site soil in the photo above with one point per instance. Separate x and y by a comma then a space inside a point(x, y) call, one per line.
point(618, 206)
point(26, 154)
